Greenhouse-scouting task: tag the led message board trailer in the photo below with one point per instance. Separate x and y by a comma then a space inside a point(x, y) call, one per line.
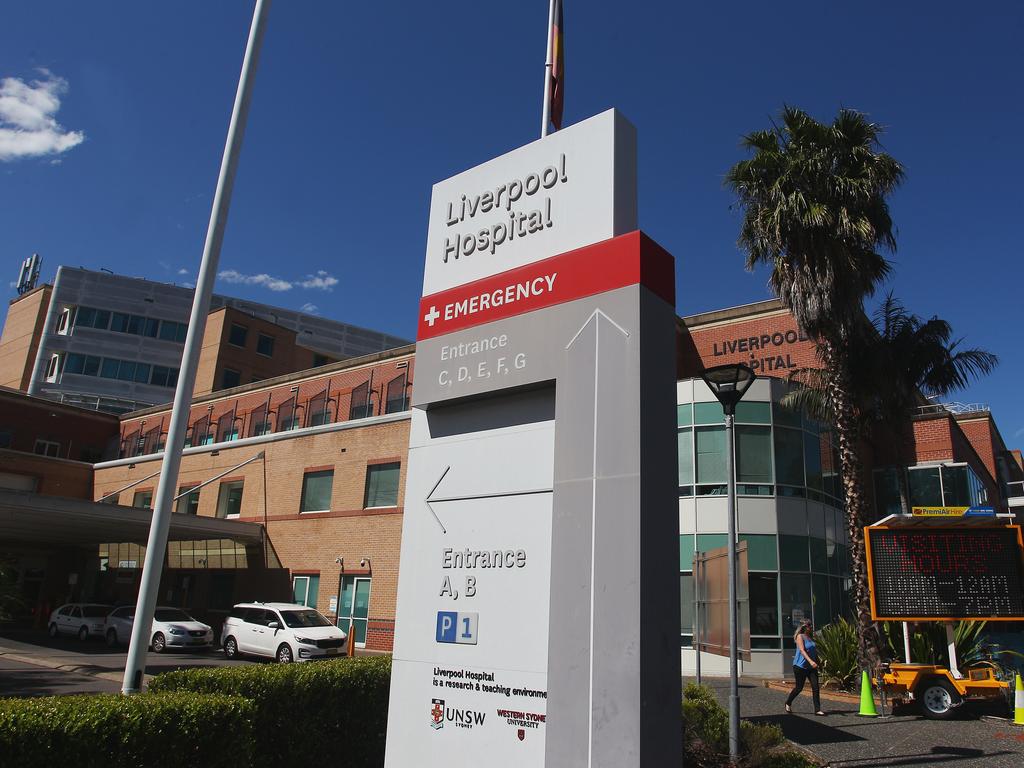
point(945, 573)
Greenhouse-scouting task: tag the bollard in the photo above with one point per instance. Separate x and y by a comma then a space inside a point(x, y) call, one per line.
point(1018, 702)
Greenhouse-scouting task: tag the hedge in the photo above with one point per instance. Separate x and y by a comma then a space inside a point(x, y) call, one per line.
point(114, 731)
point(304, 712)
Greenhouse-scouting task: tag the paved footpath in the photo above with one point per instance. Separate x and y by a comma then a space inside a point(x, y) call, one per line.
point(845, 740)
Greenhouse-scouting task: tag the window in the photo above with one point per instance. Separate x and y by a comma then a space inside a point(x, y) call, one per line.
point(109, 368)
point(85, 317)
point(360, 403)
point(64, 321)
point(754, 459)
point(316, 491)
point(17, 482)
point(188, 504)
point(126, 371)
point(46, 448)
point(143, 500)
point(686, 609)
point(685, 440)
point(796, 604)
point(382, 485)
point(789, 456)
point(237, 335)
point(6, 438)
point(53, 368)
point(925, 487)
point(172, 331)
point(710, 444)
point(887, 492)
point(230, 378)
point(229, 499)
point(164, 377)
point(119, 322)
point(395, 400)
point(764, 603)
point(305, 589)
point(142, 372)
point(265, 345)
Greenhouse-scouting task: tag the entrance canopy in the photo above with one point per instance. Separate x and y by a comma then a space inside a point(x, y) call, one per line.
point(32, 518)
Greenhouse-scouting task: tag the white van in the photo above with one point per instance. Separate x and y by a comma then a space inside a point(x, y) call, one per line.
point(284, 631)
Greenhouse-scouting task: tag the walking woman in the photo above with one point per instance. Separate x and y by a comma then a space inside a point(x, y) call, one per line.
point(805, 666)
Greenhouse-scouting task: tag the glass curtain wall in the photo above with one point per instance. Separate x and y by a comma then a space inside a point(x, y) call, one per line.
point(779, 453)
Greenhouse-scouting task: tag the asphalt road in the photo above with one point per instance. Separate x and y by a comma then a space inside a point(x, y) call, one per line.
point(845, 740)
point(32, 664)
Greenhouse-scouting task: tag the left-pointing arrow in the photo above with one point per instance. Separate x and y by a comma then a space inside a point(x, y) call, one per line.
point(428, 499)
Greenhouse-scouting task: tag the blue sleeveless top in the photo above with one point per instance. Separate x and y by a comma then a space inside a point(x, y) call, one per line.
point(812, 650)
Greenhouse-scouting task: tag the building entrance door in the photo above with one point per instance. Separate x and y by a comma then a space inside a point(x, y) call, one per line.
point(354, 606)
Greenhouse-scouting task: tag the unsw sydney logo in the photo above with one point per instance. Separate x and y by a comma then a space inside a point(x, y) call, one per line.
point(460, 718)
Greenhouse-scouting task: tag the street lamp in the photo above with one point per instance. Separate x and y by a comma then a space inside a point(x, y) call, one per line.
point(729, 383)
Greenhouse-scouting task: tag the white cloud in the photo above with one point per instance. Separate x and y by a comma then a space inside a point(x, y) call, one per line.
point(262, 279)
point(309, 308)
point(182, 271)
point(321, 280)
point(28, 123)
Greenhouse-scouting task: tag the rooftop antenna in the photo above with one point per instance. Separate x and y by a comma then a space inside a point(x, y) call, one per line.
point(29, 274)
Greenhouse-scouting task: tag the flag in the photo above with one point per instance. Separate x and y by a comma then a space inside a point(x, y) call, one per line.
point(557, 66)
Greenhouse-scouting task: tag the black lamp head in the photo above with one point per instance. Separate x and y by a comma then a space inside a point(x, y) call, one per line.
point(729, 383)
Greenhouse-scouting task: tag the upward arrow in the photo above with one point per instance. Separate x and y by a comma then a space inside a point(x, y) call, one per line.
point(595, 317)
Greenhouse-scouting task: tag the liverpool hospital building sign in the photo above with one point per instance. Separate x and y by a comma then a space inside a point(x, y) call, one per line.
point(526, 627)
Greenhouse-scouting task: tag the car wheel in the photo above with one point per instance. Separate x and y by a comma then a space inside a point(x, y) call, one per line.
point(53, 631)
point(938, 700)
point(284, 654)
point(231, 649)
point(83, 633)
point(111, 637)
point(159, 643)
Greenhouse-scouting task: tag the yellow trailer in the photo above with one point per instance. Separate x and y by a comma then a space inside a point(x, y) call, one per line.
point(936, 689)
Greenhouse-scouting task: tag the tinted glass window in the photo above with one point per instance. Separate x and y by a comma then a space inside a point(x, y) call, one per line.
point(171, 614)
point(296, 619)
point(94, 611)
point(76, 613)
point(237, 335)
point(255, 616)
point(238, 613)
point(124, 613)
point(65, 611)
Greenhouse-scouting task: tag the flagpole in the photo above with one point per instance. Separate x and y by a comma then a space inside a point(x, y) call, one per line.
point(548, 64)
point(156, 547)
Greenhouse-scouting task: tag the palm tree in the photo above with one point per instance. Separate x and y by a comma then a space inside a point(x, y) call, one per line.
point(814, 210)
point(902, 360)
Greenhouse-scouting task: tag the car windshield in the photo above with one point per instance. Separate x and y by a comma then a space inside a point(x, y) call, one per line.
point(295, 619)
point(93, 611)
point(171, 614)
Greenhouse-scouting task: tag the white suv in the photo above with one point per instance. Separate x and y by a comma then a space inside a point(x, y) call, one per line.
point(283, 631)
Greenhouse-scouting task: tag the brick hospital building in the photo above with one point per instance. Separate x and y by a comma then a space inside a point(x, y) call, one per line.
point(302, 473)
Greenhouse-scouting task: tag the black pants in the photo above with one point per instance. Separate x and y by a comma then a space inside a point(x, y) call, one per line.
point(802, 675)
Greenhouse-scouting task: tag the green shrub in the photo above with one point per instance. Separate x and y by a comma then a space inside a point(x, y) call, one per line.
point(304, 712)
point(114, 731)
point(837, 652)
point(706, 736)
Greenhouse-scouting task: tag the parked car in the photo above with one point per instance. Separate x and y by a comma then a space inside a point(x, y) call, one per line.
point(283, 631)
point(172, 628)
point(82, 619)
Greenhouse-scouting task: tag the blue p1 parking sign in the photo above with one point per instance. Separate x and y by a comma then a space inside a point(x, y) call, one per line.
point(458, 628)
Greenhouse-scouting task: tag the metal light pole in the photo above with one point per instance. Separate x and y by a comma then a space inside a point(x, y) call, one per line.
point(157, 543)
point(729, 383)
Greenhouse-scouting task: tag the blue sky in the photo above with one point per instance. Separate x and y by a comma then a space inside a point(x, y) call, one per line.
point(360, 107)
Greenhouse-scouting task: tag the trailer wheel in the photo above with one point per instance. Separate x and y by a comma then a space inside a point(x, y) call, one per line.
point(938, 699)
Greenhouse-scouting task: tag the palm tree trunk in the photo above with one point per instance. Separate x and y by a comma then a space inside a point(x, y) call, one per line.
point(838, 392)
